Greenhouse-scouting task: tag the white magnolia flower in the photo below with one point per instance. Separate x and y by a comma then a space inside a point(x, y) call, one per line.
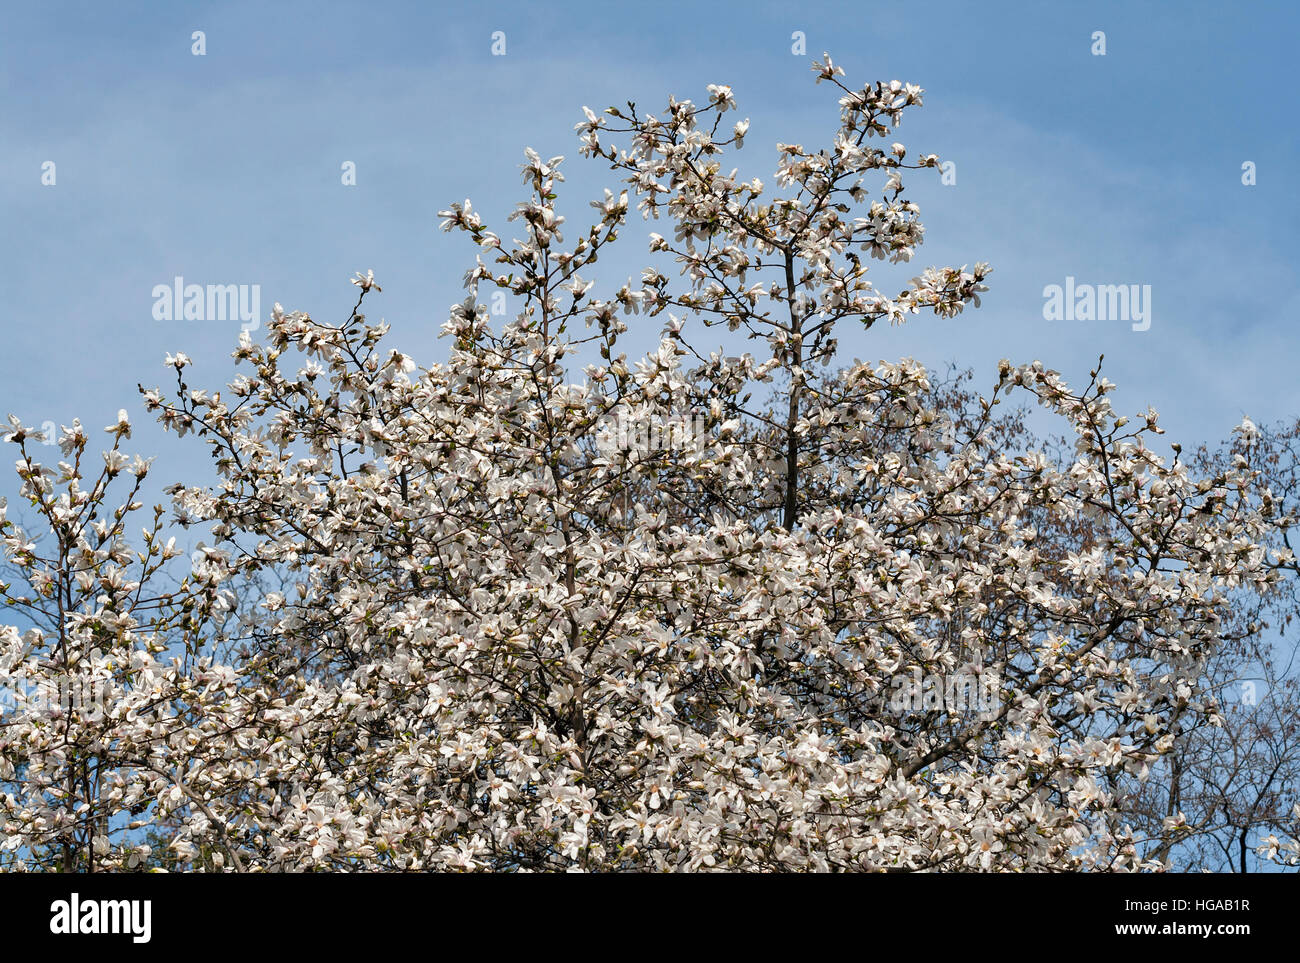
point(366, 282)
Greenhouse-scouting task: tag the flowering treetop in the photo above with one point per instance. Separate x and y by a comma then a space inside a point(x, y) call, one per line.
point(508, 638)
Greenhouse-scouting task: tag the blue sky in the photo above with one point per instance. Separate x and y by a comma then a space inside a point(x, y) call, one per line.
point(225, 169)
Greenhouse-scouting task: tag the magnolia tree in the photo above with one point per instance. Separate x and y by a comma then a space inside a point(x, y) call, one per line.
point(1231, 779)
point(93, 726)
point(1236, 785)
point(757, 611)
